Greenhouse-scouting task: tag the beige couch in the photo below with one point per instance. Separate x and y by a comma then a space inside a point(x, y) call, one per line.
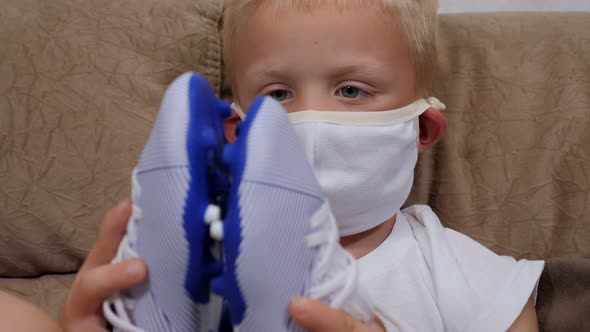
point(80, 83)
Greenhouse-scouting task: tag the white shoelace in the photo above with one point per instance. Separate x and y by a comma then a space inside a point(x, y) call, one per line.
point(336, 275)
point(119, 318)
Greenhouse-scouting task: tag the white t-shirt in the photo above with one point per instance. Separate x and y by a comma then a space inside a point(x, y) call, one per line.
point(425, 277)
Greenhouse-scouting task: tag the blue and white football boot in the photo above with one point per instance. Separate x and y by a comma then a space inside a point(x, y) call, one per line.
point(279, 236)
point(177, 190)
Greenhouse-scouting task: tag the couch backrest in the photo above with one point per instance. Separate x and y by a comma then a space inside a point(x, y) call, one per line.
point(513, 170)
point(80, 84)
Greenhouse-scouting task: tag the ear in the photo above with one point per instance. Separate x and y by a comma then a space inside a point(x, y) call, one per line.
point(229, 126)
point(432, 126)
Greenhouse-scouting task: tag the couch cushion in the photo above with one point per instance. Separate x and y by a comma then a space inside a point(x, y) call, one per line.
point(48, 292)
point(563, 301)
point(80, 83)
point(513, 170)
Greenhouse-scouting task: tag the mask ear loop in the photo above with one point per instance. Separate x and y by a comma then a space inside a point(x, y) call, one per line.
point(238, 110)
point(436, 104)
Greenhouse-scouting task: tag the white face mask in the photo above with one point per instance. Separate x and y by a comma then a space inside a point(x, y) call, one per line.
point(364, 161)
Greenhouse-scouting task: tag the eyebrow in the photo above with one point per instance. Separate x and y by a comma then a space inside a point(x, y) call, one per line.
point(261, 74)
point(266, 72)
point(354, 70)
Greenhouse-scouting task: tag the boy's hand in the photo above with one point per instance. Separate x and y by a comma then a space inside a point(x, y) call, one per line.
point(98, 279)
point(319, 317)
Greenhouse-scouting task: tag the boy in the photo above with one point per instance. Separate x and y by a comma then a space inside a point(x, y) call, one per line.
point(351, 56)
point(356, 56)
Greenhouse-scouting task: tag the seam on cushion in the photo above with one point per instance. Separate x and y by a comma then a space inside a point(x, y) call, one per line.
point(210, 15)
point(212, 64)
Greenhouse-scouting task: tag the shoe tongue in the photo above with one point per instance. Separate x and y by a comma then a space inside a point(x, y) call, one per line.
point(274, 153)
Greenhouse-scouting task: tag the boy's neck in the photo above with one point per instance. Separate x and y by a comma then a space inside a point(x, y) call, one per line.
point(359, 245)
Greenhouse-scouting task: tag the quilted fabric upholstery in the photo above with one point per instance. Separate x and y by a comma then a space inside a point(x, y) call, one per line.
point(513, 170)
point(80, 83)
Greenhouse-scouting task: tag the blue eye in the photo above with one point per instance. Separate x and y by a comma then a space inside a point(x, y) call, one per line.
point(279, 95)
point(350, 92)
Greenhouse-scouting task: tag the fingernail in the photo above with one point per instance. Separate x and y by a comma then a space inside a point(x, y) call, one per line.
point(134, 268)
point(122, 206)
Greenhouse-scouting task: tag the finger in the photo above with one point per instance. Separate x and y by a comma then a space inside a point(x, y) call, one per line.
point(110, 234)
point(320, 317)
point(97, 284)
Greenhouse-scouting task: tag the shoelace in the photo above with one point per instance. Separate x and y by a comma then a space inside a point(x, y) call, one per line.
point(119, 317)
point(336, 274)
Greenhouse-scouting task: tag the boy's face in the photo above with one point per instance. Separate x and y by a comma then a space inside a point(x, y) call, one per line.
point(323, 59)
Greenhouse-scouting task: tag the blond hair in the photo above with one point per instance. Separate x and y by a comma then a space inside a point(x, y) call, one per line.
point(418, 19)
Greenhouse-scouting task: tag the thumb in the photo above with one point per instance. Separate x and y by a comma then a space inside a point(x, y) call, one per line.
point(319, 317)
point(97, 284)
